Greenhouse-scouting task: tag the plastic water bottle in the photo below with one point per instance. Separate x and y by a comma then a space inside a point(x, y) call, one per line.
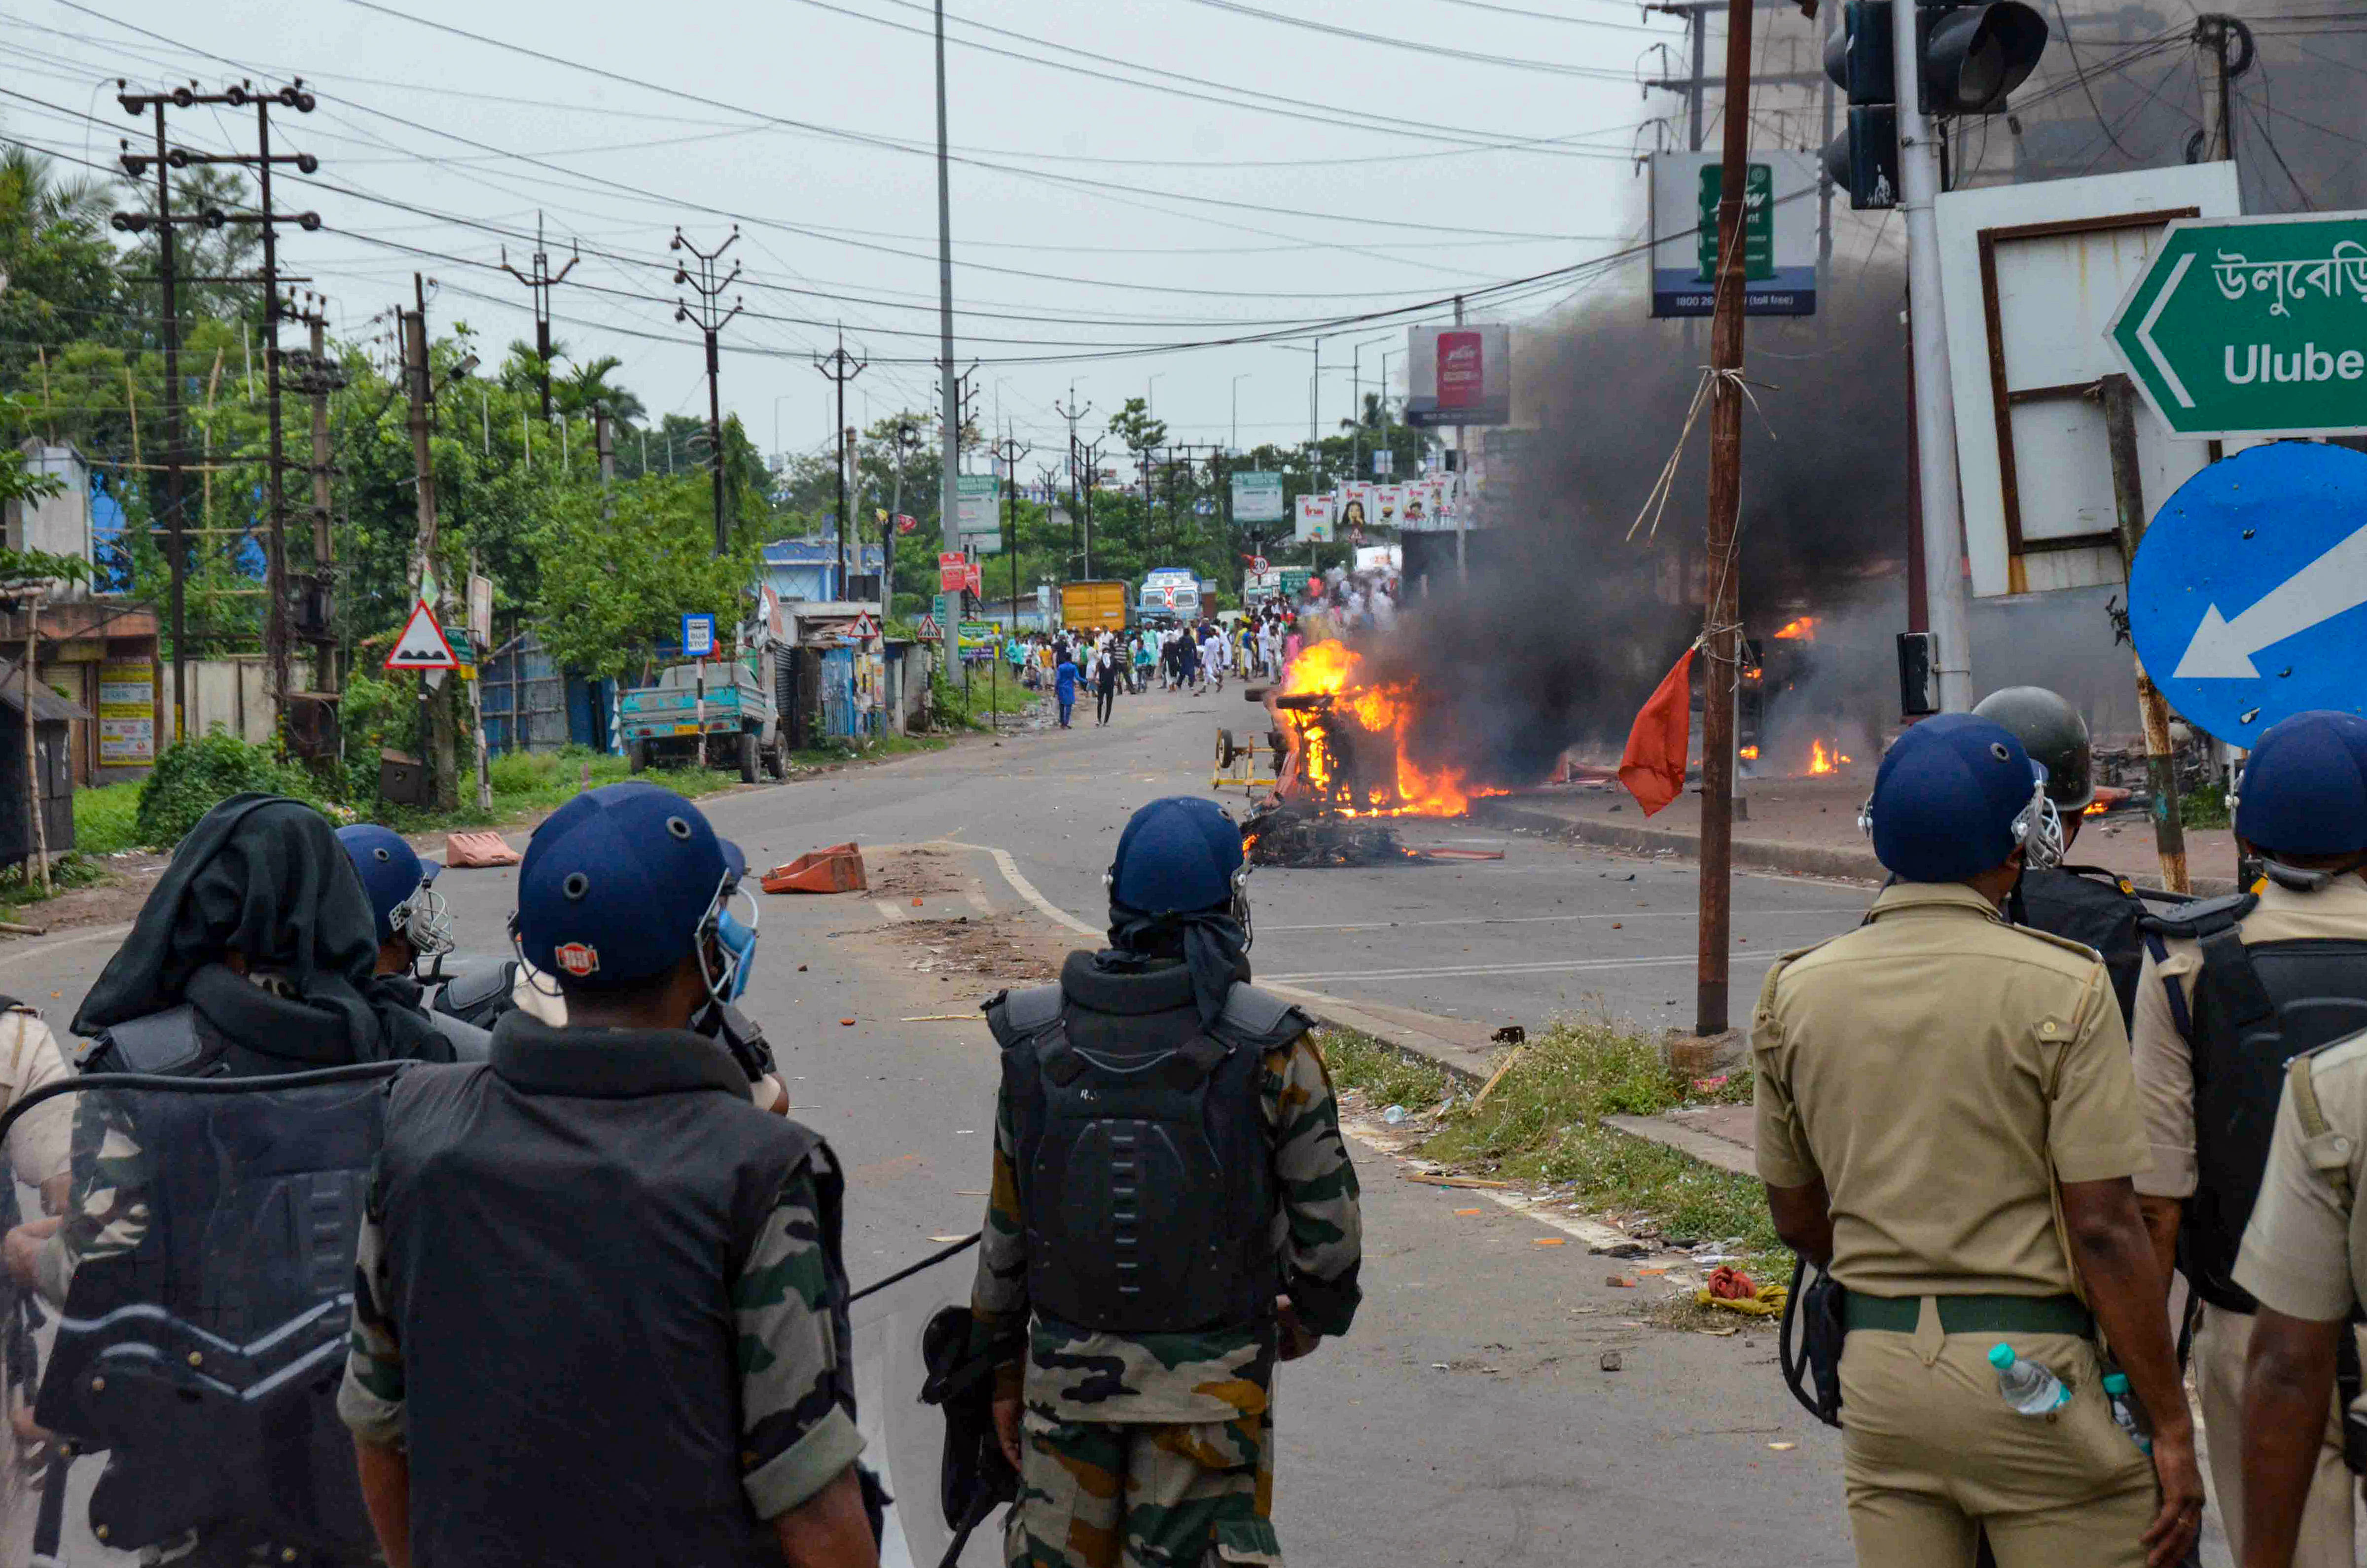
point(2030, 1388)
point(2124, 1410)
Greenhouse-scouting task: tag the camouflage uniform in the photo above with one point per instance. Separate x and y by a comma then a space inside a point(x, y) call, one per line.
point(35, 1156)
point(1156, 1450)
point(796, 1373)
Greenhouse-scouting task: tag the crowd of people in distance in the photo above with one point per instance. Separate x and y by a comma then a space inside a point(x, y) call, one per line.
point(1195, 656)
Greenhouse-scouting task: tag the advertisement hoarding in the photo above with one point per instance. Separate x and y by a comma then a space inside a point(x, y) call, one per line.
point(1779, 233)
point(1257, 498)
point(1459, 375)
point(979, 517)
point(1314, 519)
point(127, 715)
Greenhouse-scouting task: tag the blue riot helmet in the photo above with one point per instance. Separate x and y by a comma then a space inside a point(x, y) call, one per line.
point(623, 882)
point(1955, 797)
point(402, 897)
point(1178, 855)
point(2304, 789)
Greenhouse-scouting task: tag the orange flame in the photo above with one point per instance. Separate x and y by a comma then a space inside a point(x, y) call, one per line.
point(1334, 669)
point(1750, 753)
point(2097, 808)
point(1821, 761)
point(1800, 628)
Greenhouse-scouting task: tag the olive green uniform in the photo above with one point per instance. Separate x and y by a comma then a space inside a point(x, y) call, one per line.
point(1139, 1449)
point(1940, 1071)
point(2165, 1070)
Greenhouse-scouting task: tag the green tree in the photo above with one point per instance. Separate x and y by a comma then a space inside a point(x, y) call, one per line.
point(621, 567)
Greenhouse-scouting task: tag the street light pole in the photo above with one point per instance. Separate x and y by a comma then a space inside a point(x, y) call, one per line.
point(949, 450)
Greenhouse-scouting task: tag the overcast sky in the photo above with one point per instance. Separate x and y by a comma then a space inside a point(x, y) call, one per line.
point(1098, 229)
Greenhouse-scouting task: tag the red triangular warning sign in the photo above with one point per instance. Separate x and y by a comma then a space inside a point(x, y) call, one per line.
point(863, 629)
point(929, 629)
point(421, 644)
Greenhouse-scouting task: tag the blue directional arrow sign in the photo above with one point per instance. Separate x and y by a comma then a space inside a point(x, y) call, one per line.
point(2249, 597)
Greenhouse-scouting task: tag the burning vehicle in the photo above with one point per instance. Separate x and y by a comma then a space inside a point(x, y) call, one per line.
point(1345, 771)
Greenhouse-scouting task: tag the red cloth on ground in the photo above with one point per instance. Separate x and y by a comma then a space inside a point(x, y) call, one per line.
point(1653, 766)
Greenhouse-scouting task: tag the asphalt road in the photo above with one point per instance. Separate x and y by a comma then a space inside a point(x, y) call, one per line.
point(1468, 1419)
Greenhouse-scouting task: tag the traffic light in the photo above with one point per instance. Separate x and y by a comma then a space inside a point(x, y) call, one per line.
point(1970, 56)
point(1864, 159)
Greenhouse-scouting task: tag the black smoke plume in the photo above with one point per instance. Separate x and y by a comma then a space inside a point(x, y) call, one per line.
point(1566, 623)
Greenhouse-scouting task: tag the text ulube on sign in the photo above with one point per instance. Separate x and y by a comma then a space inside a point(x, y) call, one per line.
point(2252, 326)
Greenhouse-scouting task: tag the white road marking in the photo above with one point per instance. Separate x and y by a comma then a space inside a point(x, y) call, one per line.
point(1544, 919)
point(887, 911)
point(103, 933)
point(1548, 967)
point(1027, 889)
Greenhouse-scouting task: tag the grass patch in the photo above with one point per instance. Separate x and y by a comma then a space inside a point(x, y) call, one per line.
point(527, 782)
point(106, 818)
point(1545, 1123)
point(69, 870)
point(2205, 807)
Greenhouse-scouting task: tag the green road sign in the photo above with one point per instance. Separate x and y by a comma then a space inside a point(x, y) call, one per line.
point(2252, 326)
point(1758, 221)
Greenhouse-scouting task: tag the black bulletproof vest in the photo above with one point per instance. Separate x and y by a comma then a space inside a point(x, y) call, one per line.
point(2256, 1008)
point(2096, 908)
point(561, 1249)
point(1145, 1168)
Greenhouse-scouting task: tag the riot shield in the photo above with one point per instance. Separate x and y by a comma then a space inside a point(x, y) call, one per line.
point(201, 1283)
point(906, 1440)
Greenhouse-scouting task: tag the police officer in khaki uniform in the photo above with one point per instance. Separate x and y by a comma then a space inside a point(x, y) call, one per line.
point(2231, 989)
point(1931, 1089)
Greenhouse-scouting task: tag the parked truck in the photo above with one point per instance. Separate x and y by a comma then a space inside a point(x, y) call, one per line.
point(717, 712)
point(1094, 603)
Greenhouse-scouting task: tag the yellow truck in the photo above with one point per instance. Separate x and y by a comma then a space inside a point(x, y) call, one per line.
point(1085, 605)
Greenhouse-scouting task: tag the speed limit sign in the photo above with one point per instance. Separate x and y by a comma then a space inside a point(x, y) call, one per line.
point(1257, 565)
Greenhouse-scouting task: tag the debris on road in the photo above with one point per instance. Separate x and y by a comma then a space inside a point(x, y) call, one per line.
point(1619, 1281)
point(1612, 1361)
point(1511, 1034)
point(838, 869)
point(463, 850)
point(1498, 1075)
point(947, 1018)
point(1428, 1179)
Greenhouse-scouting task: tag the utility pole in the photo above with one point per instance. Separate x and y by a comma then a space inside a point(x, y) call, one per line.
point(711, 319)
point(537, 283)
point(1071, 412)
point(1007, 453)
point(2212, 31)
point(267, 220)
point(907, 438)
point(1464, 498)
point(1935, 425)
point(1091, 451)
point(420, 380)
point(317, 377)
point(949, 450)
point(1721, 642)
point(2119, 395)
point(841, 368)
point(176, 545)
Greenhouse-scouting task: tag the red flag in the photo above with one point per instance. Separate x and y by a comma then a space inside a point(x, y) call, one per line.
point(1653, 766)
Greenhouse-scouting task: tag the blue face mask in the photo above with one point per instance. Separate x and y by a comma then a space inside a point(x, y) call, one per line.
point(738, 944)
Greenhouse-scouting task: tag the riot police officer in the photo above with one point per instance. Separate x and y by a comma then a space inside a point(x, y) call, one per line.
point(1930, 1087)
point(600, 1313)
point(2232, 989)
point(208, 1218)
point(1158, 1121)
point(2091, 906)
point(412, 925)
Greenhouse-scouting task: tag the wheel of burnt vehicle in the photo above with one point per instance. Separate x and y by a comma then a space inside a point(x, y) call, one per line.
point(1229, 751)
point(1280, 746)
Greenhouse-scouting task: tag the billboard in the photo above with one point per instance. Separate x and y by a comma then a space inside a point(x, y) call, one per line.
point(1314, 519)
point(1459, 375)
point(980, 516)
point(1779, 233)
point(1257, 498)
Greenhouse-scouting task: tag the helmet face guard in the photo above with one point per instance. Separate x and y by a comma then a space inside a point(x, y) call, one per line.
point(2037, 828)
point(425, 921)
point(735, 942)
